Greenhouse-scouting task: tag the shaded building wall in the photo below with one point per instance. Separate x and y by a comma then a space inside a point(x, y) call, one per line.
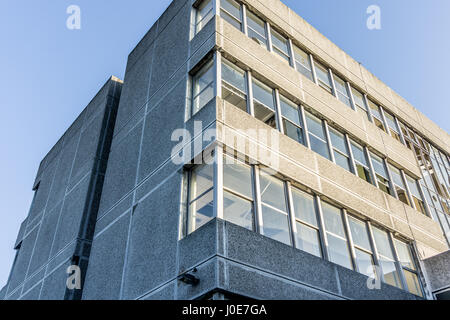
point(58, 230)
point(136, 238)
point(437, 270)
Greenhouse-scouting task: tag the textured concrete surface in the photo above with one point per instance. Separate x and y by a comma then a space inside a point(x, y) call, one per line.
point(438, 271)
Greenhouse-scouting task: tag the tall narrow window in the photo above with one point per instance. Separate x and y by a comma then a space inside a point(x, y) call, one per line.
point(342, 91)
point(303, 63)
point(393, 128)
point(234, 85)
point(362, 165)
point(409, 267)
point(381, 173)
point(415, 193)
point(280, 45)
point(202, 87)
point(201, 197)
point(341, 154)
point(338, 249)
point(323, 76)
point(274, 208)
point(399, 185)
point(231, 11)
point(256, 29)
point(263, 103)
point(307, 237)
point(203, 15)
point(238, 203)
point(360, 103)
point(317, 135)
point(386, 258)
point(376, 115)
point(292, 122)
point(363, 249)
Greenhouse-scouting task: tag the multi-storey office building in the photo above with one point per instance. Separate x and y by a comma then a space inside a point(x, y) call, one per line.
point(251, 157)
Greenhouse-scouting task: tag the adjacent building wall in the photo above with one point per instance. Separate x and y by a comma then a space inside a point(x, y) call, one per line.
point(58, 230)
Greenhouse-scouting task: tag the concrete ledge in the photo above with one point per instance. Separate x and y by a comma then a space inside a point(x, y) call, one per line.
point(246, 263)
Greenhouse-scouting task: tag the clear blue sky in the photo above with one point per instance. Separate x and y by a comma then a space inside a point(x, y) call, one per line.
point(49, 73)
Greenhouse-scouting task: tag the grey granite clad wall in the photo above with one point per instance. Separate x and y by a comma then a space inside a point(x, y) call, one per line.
point(134, 250)
point(58, 230)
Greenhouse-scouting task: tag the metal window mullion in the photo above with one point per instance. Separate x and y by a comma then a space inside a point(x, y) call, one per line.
point(397, 262)
point(269, 37)
point(291, 214)
point(218, 182)
point(424, 200)
point(391, 180)
point(369, 112)
point(258, 202)
point(250, 105)
point(244, 19)
point(350, 153)
point(350, 94)
point(400, 131)
point(408, 190)
point(350, 241)
point(333, 85)
point(291, 53)
point(278, 111)
point(322, 230)
point(376, 256)
point(305, 127)
point(329, 144)
point(216, 7)
point(218, 75)
point(313, 67)
point(371, 168)
point(385, 122)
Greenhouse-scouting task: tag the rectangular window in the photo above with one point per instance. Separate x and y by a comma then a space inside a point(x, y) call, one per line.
point(393, 128)
point(303, 63)
point(342, 91)
point(202, 87)
point(231, 12)
point(338, 249)
point(360, 104)
point(292, 122)
point(323, 76)
point(274, 208)
point(381, 173)
point(317, 135)
point(386, 257)
point(200, 198)
point(408, 266)
point(376, 115)
point(341, 154)
point(307, 236)
point(362, 165)
point(363, 249)
point(238, 200)
point(256, 29)
point(234, 85)
point(400, 188)
point(204, 13)
point(417, 198)
point(263, 103)
point(280, 45)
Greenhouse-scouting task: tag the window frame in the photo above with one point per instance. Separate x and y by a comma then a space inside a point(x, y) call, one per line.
point(231, 16)
point(202, 70)
point(208, 16)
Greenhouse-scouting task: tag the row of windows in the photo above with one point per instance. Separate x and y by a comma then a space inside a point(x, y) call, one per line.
point(260, 31)
point(305, 128)
point(264, 109)
point(436, 181)
point(255, 199)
